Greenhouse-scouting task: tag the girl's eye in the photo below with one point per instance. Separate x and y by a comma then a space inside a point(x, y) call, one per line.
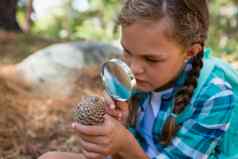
point(153, 60)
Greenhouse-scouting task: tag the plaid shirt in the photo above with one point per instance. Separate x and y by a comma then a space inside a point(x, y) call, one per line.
point(203, 122)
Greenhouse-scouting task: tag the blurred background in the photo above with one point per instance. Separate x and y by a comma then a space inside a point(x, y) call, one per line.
point(66, 20)
point(50, 54)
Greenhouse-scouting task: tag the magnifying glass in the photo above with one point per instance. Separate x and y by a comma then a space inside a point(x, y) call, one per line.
point(118, 79)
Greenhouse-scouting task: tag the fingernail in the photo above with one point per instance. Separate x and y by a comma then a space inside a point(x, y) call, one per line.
point(74, 125)
point(112, 106)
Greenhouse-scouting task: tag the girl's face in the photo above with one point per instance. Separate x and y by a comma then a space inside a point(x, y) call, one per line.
point(155, 59)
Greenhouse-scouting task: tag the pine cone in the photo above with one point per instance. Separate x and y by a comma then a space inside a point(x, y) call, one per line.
point(89, 111)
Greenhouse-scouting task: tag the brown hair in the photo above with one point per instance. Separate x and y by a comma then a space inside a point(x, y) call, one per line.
point(190, 21)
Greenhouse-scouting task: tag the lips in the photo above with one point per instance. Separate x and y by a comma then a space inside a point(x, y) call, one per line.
point(140, 81)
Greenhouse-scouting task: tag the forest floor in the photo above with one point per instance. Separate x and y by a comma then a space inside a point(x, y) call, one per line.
point(31, 125)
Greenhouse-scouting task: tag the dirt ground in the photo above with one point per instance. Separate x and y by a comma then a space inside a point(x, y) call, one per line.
point(31, 125)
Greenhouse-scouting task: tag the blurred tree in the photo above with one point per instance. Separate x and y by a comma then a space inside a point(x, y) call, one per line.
point(101, 26)
point(223, 34)
point(8, 15)
point(98, 22)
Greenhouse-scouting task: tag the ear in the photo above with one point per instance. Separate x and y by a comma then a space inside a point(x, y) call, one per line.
point(194, 50)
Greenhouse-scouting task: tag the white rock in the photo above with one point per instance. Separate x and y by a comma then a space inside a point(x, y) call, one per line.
point(52, 71)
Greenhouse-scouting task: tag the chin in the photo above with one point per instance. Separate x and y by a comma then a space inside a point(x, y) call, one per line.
point(144, 89)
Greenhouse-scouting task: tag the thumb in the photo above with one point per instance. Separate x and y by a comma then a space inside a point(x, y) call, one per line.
point(109, 101)
point(116, 113)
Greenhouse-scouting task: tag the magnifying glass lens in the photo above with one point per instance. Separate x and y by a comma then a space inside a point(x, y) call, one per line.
point(118, 79)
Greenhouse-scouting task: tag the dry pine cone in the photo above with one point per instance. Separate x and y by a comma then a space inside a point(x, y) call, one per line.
point(89, 111)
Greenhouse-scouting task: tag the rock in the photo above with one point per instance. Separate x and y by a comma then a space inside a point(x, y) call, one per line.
point(52, 71)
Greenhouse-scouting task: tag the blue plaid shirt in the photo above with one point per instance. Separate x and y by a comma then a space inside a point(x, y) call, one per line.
point(203, 122)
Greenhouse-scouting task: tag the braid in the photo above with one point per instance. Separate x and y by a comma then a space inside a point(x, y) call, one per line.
point(182, 98)
point(133, 108)
point(184, 95)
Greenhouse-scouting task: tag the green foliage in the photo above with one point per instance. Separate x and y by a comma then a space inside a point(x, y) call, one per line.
point(98, 23)
point(223, 34)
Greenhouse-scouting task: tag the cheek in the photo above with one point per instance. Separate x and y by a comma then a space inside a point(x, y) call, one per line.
point(163, 73)
point(157, 76)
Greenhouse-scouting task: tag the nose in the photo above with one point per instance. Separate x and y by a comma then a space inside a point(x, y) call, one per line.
point(136, 67)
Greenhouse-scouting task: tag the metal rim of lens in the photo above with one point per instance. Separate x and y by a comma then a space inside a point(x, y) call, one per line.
point(127, 70)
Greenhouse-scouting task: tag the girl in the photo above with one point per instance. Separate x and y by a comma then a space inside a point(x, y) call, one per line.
point(163, 43)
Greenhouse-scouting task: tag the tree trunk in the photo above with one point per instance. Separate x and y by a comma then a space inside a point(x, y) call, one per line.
point(8, 15)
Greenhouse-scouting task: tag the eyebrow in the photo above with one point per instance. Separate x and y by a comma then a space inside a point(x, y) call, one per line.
point(150, 56)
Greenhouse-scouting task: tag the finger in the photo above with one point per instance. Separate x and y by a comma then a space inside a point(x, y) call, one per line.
point(92, 130)
point(95, 148)
point(91, 155)
point(122, 105)
point(115, 104)
point(113, 112)
point(95, 139)
point(109, 100)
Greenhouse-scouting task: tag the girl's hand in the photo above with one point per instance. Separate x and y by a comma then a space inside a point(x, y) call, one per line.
point(117, 109)
point(103, 140)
